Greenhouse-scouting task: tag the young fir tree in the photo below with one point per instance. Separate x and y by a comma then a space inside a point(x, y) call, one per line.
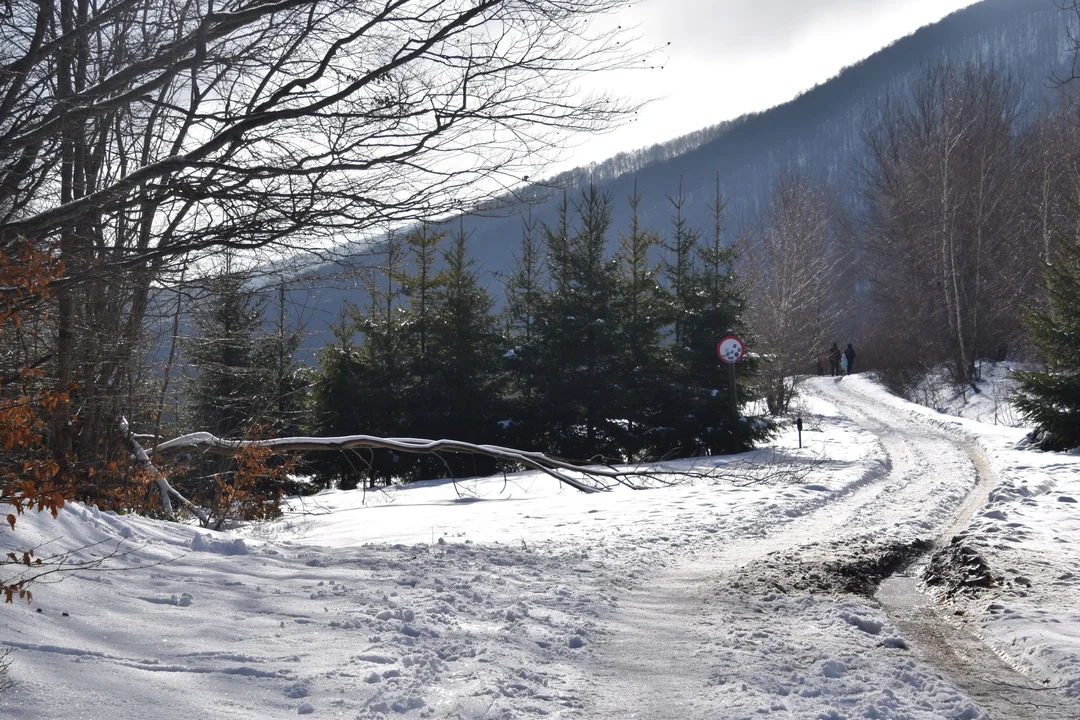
point(645, 312)
point(419, 289)
point(1051, 398)
point(576, 338)
point(340, 392)
point(245, 384)
point(524, 288)
point(465, 393)
point(694, 413)
point(385, 360)
point(525, 285)
point(243, 377)
point(679, 262)
point(527, 366)
point(716, 307)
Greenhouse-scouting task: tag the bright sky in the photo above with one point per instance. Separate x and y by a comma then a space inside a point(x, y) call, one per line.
point(730, 57)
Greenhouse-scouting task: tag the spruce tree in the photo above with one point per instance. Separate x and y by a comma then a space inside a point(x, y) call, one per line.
point(693, 415)
point(525, 289)
point(679, 262)
point(465, 393)
point(716, 307)
point(645, 312)
point(577, 333)
point(243, 376)
point(419, 289)
point(245, 384)
point(1051, 398)
point(341, 391)
point(385, 359)
point(524, 286)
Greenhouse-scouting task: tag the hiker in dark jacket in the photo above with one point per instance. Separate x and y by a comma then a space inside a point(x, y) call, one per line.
point(834, 359)
point(849, 354)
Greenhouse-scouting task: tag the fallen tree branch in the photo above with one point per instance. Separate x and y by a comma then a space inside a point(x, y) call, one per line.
point(165, 489)
point(592, 478)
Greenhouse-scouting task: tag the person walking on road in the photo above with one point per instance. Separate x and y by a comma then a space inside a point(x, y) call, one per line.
point(849, 355)
point(834, 359)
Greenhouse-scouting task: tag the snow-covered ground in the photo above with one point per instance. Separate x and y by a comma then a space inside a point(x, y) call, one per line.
point(991, 404)
point(513, 597)
point(1027, 534)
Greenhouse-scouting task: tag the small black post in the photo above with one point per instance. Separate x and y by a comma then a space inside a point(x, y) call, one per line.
point(798, 424)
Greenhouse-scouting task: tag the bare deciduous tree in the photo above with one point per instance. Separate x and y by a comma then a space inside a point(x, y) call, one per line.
point(945, 229)
point(795, 265)
point(138, 135)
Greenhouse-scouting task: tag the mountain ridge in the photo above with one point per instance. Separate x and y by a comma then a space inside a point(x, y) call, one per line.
point(818, 132)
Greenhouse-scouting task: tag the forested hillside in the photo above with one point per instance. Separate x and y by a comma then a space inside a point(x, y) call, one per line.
point(819, 133)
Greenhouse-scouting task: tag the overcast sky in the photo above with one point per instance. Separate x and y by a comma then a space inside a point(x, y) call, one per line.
point(730, 57)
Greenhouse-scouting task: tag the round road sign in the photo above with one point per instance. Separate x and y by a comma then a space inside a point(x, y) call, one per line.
point(731, 349)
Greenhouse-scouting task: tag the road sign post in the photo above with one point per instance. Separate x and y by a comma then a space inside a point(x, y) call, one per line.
point(730, 350)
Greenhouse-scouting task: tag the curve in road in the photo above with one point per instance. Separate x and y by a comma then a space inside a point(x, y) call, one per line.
point(685, 643)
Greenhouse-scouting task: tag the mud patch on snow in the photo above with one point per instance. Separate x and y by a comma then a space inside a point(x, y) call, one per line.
point(959, 569)
point(854, 567)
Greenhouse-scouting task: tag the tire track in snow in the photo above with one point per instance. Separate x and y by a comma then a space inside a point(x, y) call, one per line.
point(664, 657)
point(994, 680)
point(157, 665)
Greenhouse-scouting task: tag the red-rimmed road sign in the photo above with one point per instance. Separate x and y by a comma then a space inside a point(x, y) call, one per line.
point(731, 349)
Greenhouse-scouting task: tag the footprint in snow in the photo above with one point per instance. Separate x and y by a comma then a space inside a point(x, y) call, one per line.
point(833, 669)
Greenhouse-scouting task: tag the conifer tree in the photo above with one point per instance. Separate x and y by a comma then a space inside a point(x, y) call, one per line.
point(243, 376)
point(527, 366)
point(645, 312)
point(716, 307)
point(1051, 398)
point(423, 248)
point(339, 392)
point(576, 337)
point(694, 411)
point(464, 395)
point(419, 289)
point(246, 383)
point(385, 359)
point(679, 263)
point(525, 289)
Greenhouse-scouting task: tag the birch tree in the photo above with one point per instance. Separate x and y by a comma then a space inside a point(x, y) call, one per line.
point(951, 256)
point(795, 266)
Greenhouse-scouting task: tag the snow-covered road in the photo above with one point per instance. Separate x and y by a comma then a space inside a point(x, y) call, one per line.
point(688, 642)
point(517, 598)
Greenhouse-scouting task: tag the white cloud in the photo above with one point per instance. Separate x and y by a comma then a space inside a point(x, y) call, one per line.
point(730, 57)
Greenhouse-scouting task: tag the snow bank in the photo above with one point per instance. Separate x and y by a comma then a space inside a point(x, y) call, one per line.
point(991, 404)
point(206, 542)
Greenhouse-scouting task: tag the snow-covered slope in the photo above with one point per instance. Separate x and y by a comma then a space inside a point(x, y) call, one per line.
point(991, 404)
point(507, 598)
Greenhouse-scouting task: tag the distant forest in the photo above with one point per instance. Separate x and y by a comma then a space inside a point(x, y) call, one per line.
point(820, 134)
